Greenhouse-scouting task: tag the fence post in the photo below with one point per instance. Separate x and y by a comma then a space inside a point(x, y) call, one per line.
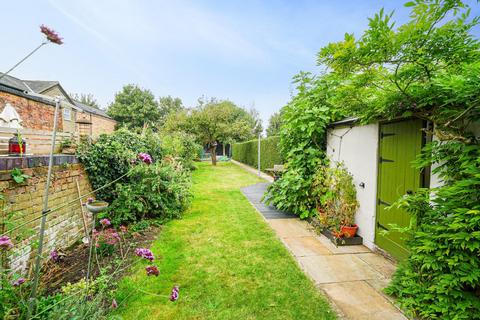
point(259, 142)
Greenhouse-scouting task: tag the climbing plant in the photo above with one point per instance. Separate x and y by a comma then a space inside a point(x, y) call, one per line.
point(427, 68)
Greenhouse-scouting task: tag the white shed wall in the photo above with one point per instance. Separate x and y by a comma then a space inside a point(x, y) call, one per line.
point(358, 149)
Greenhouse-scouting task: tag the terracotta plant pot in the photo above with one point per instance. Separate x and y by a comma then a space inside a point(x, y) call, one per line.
point(349, 231)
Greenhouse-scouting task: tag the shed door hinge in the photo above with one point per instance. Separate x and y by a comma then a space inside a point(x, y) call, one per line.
point(381, 226)
point(385, 160)
point(380, 201)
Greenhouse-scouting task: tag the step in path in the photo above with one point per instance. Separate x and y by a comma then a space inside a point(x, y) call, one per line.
point(352, 277)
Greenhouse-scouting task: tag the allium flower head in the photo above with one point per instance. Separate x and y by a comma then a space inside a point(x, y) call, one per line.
point(144, 253)
point(5, 243)
point(51, 35)
point(105, 222)
point(18, 282)
point(152, 271)
point(174, 294)
point(145, 157)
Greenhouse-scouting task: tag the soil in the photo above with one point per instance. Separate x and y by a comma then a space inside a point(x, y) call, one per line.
point(73, 263)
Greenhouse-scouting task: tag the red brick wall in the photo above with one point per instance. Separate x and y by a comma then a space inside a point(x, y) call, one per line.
point(34, 114)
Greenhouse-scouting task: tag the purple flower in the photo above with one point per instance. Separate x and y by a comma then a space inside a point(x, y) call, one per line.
point(144, 253)
point(145, 157)
point(18, 282)
point(5, 243)
point(89, 200)
point(105, 222)
point(174, 294)
point(54, 255)
point(152, 271)
point(114, 304)
point(51, 35)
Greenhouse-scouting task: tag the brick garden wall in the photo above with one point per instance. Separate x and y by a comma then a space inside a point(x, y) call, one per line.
point(25, 201)
point(34, 114)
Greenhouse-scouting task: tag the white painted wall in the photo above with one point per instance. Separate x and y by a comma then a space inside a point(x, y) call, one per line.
point(358, 149)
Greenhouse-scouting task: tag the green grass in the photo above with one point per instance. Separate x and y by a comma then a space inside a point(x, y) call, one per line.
point(226, 260)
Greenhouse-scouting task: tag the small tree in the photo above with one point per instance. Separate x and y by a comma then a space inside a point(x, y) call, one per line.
point(87, 99)
point(134, 107)
point(274, 124)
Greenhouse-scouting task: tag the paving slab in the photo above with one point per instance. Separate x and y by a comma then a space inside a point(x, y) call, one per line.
point(289, 228)
point(337, 268)
point(379, 263)
point(359, 301)
point(305, 246)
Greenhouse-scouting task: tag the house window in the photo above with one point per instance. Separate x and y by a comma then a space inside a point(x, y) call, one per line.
point(67, 114)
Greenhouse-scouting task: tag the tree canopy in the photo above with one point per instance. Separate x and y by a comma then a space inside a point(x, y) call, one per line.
point(274, 124)
point(168, 105)
point(134, 107)
point(87, 99)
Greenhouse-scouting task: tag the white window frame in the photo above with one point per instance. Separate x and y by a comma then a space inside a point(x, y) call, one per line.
point(67, 114)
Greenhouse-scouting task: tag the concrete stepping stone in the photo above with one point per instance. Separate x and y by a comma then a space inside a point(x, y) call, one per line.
point(289, 228)
point(337, 268)
point(379, 263)
point(305, 246)
point(359, 301)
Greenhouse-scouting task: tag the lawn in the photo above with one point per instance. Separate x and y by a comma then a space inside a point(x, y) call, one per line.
point(226, 260)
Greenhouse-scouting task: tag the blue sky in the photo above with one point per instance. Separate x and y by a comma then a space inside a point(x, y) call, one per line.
point(245, 51)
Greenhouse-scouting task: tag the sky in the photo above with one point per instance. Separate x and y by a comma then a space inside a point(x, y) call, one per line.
point(245, 51)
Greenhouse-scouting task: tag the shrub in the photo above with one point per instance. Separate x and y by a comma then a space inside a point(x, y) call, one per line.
point(336, 196)
point(159, 190)
point(247, 152)
point(183, 147)
point(110, 157)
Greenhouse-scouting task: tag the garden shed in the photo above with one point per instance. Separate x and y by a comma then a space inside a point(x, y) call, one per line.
point(379, 157)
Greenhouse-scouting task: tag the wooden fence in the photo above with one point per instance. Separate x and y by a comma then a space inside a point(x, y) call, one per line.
point(38, 141)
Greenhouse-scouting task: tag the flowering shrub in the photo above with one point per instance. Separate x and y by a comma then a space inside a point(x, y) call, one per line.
point(152, 271)
point(105, 241)
point(145, 157)
point(155, 191)
point(145, 253)
point(5, 242)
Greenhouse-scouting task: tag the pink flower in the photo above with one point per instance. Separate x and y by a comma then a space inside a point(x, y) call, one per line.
point(152, 271)
point(105, 222)
point(54, 255)
point(5, 243)
point(51, 35)
point(144, 253)
point(174, 294)
point(114, 304)
point(145, 157)
point(18, 282)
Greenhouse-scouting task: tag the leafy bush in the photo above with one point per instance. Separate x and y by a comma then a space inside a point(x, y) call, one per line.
point(159, 190)
point(441, 278)
point(302, 142)
point(247, 152)
point(110, 157)
point(337, 197)
point(182, 146)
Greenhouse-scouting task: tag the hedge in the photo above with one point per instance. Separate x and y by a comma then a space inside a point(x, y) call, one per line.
point(247, 152)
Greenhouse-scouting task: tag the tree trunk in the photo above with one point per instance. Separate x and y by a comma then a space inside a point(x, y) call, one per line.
point(223, 145)
point(213, 152)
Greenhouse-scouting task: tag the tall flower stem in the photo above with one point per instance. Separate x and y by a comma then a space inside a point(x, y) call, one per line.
point(26, 57)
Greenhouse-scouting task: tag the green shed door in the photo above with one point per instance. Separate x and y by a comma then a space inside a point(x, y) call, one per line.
point(400, 143)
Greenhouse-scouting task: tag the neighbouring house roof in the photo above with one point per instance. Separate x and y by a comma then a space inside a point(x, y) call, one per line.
point(13, 83)
point(39, 86)
point(90, 109)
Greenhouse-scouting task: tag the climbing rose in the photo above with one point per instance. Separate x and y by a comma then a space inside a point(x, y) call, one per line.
point(174, 294)
point(145, 157)
point(114, 304)
point(51, 35)
point(18, 282)
point(144, 253)
point(152, 271)
point(5, 242)
point(54, 255)
point(105, 222)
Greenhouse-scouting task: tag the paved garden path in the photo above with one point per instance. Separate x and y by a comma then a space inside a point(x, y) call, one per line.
point(352, 277)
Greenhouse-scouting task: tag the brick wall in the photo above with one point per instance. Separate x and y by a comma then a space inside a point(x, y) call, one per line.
point(99, 124)
point(34, 114)
point(25, 201)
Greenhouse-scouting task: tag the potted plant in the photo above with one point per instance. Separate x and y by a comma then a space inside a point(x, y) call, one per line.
point(68, 146)
point(337, 201)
